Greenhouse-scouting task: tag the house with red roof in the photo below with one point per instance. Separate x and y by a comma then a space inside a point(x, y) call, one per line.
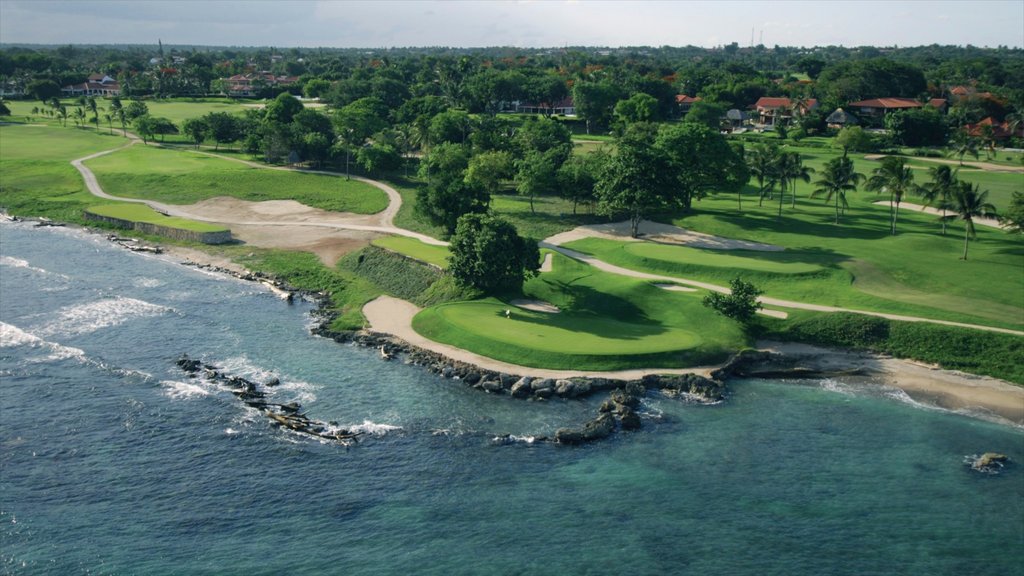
point(999, 130)
point(248, 85)
point(685, 102)
point(876, 108)
point(772, 111)
point(95, 85)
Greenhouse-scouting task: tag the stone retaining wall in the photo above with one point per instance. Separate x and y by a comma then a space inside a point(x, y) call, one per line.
point(220, 237)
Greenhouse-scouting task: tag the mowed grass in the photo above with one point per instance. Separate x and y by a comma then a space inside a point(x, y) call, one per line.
point(413, 248)
point(36, 177)
point(183, 177)
point(175, 110)
point(145, 214)
point(606, 322)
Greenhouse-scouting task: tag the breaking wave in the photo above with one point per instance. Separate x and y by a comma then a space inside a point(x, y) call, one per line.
point(86, 318)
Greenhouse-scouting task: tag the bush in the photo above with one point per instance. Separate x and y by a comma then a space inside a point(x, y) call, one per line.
point(395, 274)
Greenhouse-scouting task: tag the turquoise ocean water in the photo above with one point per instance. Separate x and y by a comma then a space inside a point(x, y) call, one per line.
point(113, 462)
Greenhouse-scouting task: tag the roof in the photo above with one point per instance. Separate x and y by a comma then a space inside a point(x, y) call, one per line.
point(93, 86)
point(769, 102)
point(684, 99)
point(937, 102)
point(960, 91)
point(840, 116)
point(888, 103)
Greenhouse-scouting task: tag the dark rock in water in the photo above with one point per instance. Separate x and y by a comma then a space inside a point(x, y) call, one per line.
point(272, 382)
point(627, 397)
point(522, 388)
point(471, 378)
point(189, 365)
point(542, 383)
point(448, 372)
point(629, 419)
point(544, 393)
point(989, 462)
point(492, 386)
point(596, 429)
point(507, 380)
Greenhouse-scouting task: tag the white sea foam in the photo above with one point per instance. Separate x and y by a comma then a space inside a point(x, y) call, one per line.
point(837, 386)
point(373, 428)
point(230, 431)
point(87, 318)
point(13, 262)
point(182, 390)
point(512, 439)
point(12, 336)
point(147, 283)
point(300, 391)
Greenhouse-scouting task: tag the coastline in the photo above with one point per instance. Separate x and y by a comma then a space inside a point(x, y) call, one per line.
point(947, 389)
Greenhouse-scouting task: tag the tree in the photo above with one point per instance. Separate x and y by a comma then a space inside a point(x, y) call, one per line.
point(536, 174)
point(43, 89)
point(283, 108)
point(448, 195)
point(543, 135)
point(709, 114)
point(93, 107)
point(62, 114)
point(970, 203)
point(117, 111)
point(79, 116)
point(701, 161)
point(145, 126)
point(595, 102)
point(837, 178)
point(638, 179)
point(358, 121)
point(489, 169)
point(223, 128)
point(377, 157)
point(196, 129)
point(134, 109)
point(450, 126)
point(639, 107)
point(577, 178)
point(316, 87)
point(488, 254)
point(740, 304)
point(963, 144)
point(939, 192)
point(896, 178)
point(4, 110)
point(852, 138)
point(761, 162)
point(164, 126)
point(1013, 218)
point(917, 127)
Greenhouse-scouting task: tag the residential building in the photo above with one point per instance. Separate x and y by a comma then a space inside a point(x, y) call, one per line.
point(773, 111)
point(247, 85)
point(95, 85)
point(685, 102)
point(564, 107)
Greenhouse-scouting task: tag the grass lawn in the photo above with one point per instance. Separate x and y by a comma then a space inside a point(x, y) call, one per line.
point(413, 248)
point(142, 213)
point(607, 322)
point(916, 272)
point(36, 178)
point(182, 177)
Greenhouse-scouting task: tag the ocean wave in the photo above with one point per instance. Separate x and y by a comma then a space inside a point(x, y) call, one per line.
point(11, 336)
point(182, 390)
point(372, 428)
point(147, 283)
point(86, 318)
point(13, 262)
point(300, 391)
point(513, 439)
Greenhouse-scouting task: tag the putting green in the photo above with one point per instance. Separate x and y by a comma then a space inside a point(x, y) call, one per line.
point(776, 262)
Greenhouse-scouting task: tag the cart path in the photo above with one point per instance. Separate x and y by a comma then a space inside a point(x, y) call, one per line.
point(386, 226)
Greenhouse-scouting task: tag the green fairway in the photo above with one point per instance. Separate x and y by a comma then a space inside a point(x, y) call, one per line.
point(606, 322)
point(413, 248)
point(143, 213)
point(36, 178)
point(785, 263)
point(183, 177)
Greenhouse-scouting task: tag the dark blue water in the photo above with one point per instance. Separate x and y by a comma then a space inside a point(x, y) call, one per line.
point(113, 462)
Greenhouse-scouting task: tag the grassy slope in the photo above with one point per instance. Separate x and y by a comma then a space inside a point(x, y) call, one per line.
point(182, 177)
point(142, 213)
point(607, 322)
point(413, 248)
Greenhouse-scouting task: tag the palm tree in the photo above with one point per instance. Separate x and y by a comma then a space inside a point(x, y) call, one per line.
point(966, 144)
point(90, 103)
point(79, 117)
point(896, 178)
point(780, 176)
point(797, 171)
point(761, 161)
point(110, 121)
point(836, 180)
point(939, 192)
point(117, 111)
point(970, 203)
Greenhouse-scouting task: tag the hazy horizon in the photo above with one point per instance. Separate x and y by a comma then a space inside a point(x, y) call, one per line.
point(518, 24)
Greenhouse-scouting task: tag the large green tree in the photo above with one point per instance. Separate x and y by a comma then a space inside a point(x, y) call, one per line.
point(488, 254)
point(701, 161)
point(637, 180)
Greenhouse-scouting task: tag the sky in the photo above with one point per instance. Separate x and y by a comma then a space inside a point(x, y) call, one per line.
point(519, 23)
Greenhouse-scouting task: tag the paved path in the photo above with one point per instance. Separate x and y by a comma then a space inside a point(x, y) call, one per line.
point(386, 226)
point(385, 218)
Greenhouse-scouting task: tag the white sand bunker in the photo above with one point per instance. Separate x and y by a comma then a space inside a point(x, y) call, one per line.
point(661, 233)
point(536, 305)
point(546, 265)
point(675, 288)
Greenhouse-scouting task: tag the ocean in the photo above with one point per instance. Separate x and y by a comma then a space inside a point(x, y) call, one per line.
point(114, 461)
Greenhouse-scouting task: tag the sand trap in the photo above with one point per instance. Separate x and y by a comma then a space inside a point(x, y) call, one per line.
point(661, 233)
point(774, 314)
point(675, 288)
point(536, 305)
point(990, 222)
point(546, 265)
